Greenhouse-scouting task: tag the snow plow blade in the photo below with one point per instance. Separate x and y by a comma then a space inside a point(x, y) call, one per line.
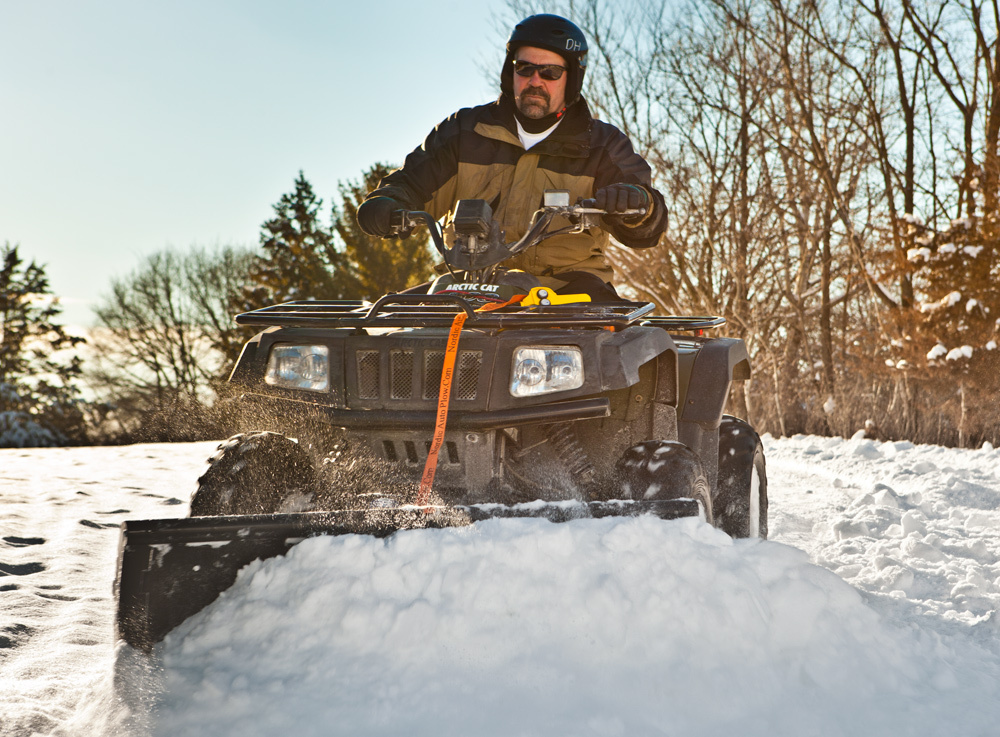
point(170, 569)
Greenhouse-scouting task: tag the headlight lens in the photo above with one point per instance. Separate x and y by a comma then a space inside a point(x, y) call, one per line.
point(544, 369)
point(299, 367)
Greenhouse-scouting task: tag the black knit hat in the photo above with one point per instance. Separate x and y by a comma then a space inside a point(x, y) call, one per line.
point(553, 33)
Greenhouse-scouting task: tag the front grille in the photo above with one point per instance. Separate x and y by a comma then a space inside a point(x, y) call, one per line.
point(406, 383)
point(401, 371)
point(368, 374)
point(433, 366)
point(467, 381)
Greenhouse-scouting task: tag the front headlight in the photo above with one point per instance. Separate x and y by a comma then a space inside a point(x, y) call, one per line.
point(299, 367)
point(544, 369)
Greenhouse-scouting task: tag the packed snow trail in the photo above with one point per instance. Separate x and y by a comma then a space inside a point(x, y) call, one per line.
point(913, 526)
point(60, 509)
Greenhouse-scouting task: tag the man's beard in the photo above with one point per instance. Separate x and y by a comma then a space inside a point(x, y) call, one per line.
point(533, 108)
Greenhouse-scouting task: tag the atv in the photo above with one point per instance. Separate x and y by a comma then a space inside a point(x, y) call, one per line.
point(487, 395)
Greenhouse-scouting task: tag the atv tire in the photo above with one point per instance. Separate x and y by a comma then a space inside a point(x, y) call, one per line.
point(663, 469)
point(255, 473)
point(741, 499)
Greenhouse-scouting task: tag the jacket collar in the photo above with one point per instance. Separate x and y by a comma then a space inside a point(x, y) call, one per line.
point(571, 138)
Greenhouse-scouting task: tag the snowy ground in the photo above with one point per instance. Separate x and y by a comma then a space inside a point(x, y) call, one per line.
point(872, 610)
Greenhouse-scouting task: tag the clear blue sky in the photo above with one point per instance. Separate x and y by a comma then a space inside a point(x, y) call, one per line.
point(127, 127)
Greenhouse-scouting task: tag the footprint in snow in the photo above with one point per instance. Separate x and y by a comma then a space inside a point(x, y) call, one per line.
point(22, 542)
point(98, 525)
point(14, 635)
point(22, 569)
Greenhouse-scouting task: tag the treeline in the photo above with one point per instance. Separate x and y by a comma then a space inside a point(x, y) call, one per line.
point(833, 174)
point(154, 366)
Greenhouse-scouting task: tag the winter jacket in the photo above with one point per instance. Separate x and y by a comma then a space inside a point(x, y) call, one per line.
point(476, 154)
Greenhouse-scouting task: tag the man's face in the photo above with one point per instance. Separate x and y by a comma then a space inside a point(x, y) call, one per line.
point(536, 97)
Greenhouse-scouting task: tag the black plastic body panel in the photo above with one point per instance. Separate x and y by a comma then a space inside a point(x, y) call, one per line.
point(686, 385)
point(708, 369)
point(611, 361)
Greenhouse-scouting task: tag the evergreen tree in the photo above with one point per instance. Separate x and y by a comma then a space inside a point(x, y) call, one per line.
point(39, 403)
point(299, 258)
point(376, 266)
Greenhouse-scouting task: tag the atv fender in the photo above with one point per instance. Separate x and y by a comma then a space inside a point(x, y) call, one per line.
point(717, 364)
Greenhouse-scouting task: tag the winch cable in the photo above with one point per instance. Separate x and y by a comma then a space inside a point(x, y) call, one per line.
point(444, 397)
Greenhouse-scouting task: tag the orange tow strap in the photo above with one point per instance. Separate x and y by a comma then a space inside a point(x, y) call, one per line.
point(444, 397)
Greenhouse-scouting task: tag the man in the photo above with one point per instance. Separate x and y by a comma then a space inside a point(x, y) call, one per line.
point(538, 135)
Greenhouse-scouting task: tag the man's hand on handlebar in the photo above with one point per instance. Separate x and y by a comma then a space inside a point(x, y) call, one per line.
point(375, 216)
point(621, 201)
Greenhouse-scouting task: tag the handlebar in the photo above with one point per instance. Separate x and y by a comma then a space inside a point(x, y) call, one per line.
point(404, 221)
point(486, 248)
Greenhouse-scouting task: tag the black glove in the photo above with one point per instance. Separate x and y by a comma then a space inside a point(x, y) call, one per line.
point(375, 215)
point(619, 198)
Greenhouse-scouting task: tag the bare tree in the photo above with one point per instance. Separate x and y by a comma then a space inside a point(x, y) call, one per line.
point(832, 173)
point(165, 340)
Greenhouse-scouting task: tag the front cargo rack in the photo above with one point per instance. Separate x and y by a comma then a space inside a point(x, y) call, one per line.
point(684, 323)
point(434, 310)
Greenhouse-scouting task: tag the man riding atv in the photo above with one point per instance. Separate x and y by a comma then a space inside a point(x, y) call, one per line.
point(539, 135)
point(467, 402)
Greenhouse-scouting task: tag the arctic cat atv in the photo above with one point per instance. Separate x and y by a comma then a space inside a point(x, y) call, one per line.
point(488, 396)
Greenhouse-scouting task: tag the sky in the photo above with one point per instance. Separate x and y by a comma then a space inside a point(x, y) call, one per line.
point(129, 127)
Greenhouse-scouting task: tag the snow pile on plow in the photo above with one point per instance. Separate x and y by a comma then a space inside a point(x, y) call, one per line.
point(523, 627)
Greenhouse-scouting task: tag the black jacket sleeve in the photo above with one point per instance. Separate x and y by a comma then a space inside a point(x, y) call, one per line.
point(624, 165)
point(426, 170)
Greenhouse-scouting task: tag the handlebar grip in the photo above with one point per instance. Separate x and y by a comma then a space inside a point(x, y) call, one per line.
point(404, 221)
point(399, 223)
point(591, 204)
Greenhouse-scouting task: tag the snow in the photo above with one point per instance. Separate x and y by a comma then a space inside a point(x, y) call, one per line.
point(949, 300)
point(871, 610)
point(936, 352)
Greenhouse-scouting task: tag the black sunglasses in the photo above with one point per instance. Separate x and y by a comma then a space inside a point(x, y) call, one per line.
point(548, 72)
